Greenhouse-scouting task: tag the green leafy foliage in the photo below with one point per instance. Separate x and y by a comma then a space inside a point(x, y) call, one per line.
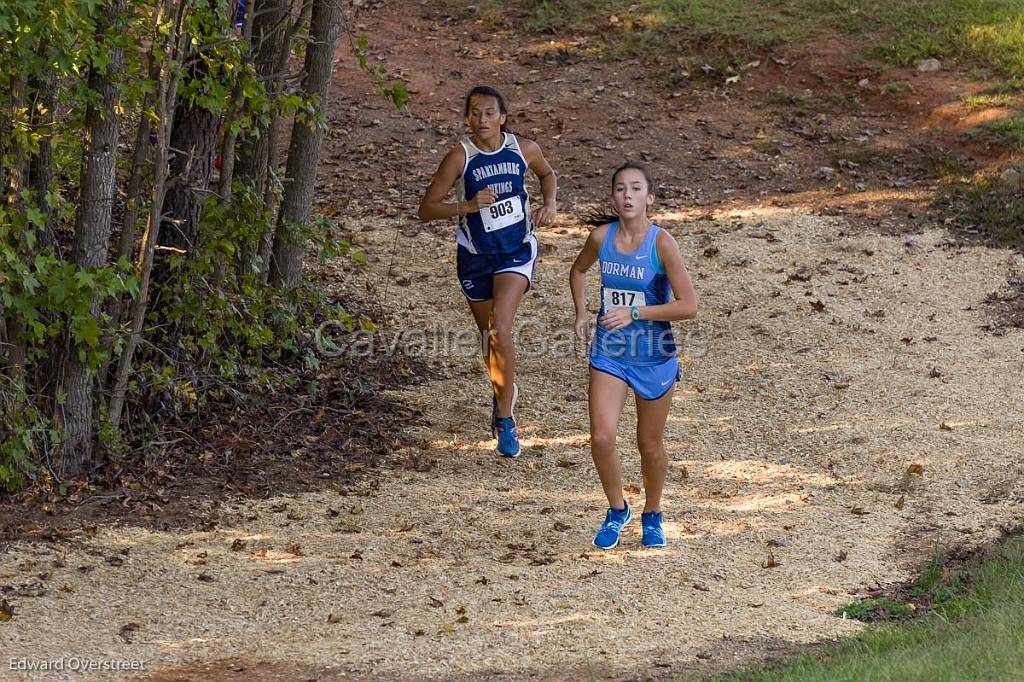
point(395, 92)
point(213, 329)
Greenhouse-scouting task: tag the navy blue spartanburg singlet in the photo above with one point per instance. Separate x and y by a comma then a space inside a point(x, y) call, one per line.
point(504, 226)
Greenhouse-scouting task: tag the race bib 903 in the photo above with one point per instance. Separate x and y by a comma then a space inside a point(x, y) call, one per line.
point(623, 298)
point(501, 214)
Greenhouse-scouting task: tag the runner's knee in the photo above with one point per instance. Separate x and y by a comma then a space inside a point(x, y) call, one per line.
point(650, 447)
point(602, 439)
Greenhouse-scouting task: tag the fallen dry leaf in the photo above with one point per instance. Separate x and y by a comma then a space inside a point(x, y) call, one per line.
point(126, 630)
point(901, 502)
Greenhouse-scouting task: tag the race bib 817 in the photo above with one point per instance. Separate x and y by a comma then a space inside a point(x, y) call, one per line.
point(623, 298)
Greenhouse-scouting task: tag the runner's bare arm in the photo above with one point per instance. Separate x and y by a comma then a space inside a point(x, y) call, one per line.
point(434, 207)
point(684, 307)
point(545, 215)
point(577, 279)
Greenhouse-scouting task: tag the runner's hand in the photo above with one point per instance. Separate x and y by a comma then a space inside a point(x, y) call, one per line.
point(582, 328)
point(543, 216)
point(483, 198)
point(616, 318)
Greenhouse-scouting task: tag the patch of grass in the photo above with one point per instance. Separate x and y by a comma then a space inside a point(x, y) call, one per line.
point(897, 87)
point(975, 102)
point(948, 166)
point(988, 205)
point(1009, 131)
point(972, 635)
point(988, 32)
point(935, 585)
point(870, 610)
point(1011, 86)
point(809, 102)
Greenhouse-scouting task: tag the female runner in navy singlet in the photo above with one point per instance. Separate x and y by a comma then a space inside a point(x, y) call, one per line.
point(494, 231)
point(641, 271)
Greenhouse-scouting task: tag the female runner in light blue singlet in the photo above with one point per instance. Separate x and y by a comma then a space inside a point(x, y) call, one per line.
point(633, 348)
point(494, 231)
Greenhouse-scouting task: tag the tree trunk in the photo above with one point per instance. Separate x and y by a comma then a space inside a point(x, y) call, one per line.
point(16, 352)
point(227, 154)
point(167, 89)
point(273, 161)
point(304, 151)
point(193, 145)
point(43, 93)
point(269, 29)
point(126, 242)
point(269, 37)
point(15, 175)
point(92, 236)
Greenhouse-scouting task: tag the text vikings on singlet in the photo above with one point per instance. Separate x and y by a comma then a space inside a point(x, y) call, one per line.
point(622, 270)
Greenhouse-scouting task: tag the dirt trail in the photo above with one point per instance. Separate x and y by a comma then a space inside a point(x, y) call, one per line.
point(826, 359)
point(476, 566)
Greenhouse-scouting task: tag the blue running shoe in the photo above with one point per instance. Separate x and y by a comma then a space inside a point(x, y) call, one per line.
point(494, 409)
point(654, 535)
point(614, 520)
point(508, 439)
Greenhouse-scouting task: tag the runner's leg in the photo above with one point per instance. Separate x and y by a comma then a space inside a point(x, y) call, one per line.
point(508, 292)
point(650, 431)
point(607, 397)
point(482, 316)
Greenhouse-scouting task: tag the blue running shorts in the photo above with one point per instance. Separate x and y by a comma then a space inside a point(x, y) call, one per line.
point(649, 382)
point(477, 270)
